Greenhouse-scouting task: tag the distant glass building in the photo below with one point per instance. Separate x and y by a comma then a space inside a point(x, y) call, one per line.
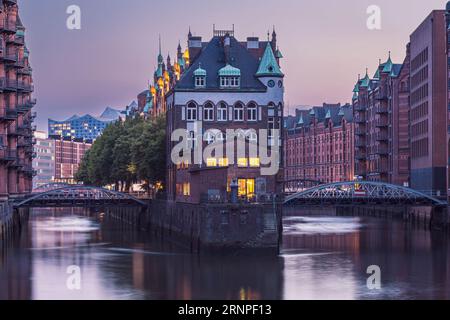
point(85, 127)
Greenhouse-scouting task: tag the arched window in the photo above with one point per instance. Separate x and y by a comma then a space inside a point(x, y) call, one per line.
point(222, 112)
point(192, 111)
point(238, 112)
point(252, 112)
point(208, 112)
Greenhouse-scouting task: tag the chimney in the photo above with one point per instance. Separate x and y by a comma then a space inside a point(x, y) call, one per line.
point(195, 47)
point(227, 48)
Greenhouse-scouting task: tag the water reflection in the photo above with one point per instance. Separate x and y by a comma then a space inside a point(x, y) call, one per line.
point(322, 258)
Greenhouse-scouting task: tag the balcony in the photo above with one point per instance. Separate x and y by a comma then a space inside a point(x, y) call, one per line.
point(381, 136)
point(360, 143)
point(22, 86)
point(10, 85)
point(381, 95)
point(7, 154)
point(360, 119)
point(380, 109)
point(8, 26)
point(10, 57)
point(381, 150)
point(380, 123)
point(360, 131)
point(7, 114)
point(360, 155)
point(359, 108)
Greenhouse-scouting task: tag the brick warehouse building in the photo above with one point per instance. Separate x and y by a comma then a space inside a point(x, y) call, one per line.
point(68, 155)
point(228, 85)
point(381, 117)
point(16, 87)
point(429, 105)
point(319, 144)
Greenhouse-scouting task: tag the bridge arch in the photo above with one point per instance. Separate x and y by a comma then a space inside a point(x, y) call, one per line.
point(79, 195)
point(361, 192)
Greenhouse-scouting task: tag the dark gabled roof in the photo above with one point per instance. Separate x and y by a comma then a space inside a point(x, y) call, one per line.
point(304, 118)
point(212, 59)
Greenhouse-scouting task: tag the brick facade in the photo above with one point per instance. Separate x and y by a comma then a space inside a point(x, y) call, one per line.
point(16, 87)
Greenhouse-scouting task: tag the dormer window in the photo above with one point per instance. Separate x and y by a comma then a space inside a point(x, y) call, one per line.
point(200, 77)
point(230, 77)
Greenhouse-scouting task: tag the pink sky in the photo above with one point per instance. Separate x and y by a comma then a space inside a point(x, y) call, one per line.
point(325, 44)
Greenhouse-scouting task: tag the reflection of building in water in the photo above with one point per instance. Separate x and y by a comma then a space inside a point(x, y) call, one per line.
point(16, 268)
point(166, 270)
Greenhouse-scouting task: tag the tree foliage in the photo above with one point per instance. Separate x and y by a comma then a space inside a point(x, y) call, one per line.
point(128, 152)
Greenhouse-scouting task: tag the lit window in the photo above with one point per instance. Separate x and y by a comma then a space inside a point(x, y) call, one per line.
point(254, 162)
point(223, 162)
point(211, 162)
point(242, 162)
point(186, 189)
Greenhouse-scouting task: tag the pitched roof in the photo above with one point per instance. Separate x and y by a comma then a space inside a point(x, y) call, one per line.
point(212, 59)
point(269, 65)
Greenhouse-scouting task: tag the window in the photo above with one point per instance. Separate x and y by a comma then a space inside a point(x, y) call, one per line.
point(242, 162)
point(192, 112)
point(211, 162)
point(230, 82)
point(223, 162)
point(208, 112)
point(254, 162)
point(222, 112)
point(200, 81)
point(252, 113)
point(186, 189)
point(239, 112)
point(246, 187)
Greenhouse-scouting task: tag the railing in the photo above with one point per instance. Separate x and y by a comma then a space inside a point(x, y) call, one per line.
point(381, 136)
point(381, 123)
point(360, 131)
point(360, 155)
point(359, 108)
point(381, 150)
point(8, 154)
point(359, 143)
point(381, 109)
point(360, 119)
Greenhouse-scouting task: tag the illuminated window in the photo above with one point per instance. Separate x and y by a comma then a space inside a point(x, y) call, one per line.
point(186, 189)
point(246, 187)
point(211, 162)
point(242, 162)
point(254, 162)
point(223, 162)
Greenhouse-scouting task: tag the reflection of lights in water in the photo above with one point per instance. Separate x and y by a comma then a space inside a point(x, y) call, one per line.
point(67, 224)
point(322, 225)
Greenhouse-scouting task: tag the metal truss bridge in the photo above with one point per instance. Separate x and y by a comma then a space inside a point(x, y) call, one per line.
point(78, 196)
point(361, 192)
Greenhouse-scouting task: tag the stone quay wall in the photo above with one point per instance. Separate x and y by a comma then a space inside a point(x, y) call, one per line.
point(11, 220)
point(209, 227)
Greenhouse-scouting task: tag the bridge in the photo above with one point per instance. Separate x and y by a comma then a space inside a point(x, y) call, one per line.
point(78, 196)
point(361, 192)
point(292, 186)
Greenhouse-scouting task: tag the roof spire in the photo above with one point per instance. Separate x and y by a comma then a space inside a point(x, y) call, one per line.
point(159, 44)
point(190, 33)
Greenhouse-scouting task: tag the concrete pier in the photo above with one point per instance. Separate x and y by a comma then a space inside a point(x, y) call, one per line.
point(11, 220)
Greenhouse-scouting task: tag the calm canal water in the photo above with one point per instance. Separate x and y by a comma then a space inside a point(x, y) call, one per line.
point(322, 258)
